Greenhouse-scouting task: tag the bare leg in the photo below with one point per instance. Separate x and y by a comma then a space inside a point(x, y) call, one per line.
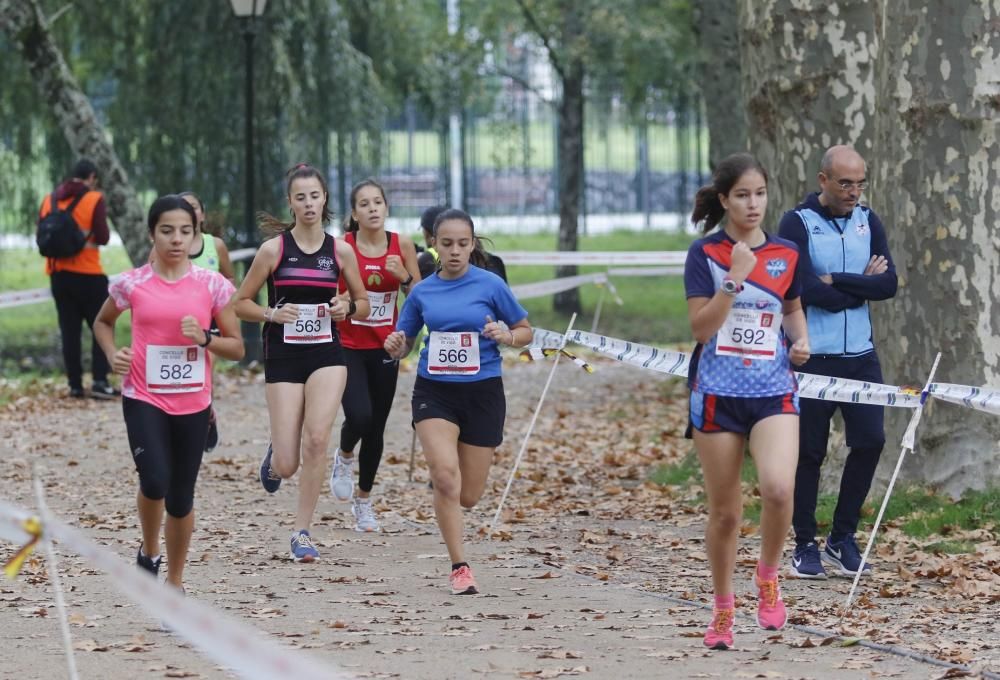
point(178, 535)
point(774, 445)
point(721, 456)
point(151, 519)
point(284, 407)
point(323, 392)
point(439, 439)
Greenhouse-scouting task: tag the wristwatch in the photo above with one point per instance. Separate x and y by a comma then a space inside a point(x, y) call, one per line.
point(730, 287)
point(208, 337)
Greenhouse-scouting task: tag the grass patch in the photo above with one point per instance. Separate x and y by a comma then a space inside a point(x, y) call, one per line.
point(921, 513)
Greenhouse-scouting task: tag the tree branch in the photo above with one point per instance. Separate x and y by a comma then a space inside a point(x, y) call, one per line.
point(529, 16)
point(58, 13)
point(525, 84)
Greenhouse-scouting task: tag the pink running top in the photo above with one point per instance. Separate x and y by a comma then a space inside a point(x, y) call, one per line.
point(168, 370)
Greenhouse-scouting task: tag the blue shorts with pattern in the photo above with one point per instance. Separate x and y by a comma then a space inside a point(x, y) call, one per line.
point(714, 413)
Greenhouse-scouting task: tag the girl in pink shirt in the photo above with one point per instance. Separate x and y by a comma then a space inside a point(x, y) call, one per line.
point(167, 389)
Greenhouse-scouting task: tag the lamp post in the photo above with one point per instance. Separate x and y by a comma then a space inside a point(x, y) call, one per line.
point(247, 12)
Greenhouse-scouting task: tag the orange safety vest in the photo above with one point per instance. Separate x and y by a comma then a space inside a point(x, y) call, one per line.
point(88, 260)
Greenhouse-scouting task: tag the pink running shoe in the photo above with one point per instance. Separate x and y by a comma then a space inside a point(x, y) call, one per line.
point(770, 609)
point(462, 582)
point(720, 633)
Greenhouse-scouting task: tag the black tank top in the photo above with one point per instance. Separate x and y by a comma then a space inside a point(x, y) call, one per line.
point(302, 279)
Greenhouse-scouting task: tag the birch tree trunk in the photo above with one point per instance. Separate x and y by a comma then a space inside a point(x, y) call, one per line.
point(26, 26)
point(808, 83)
point(937, 181)
point(715, 23)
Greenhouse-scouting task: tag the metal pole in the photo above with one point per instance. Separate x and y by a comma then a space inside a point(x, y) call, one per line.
point(251, 335)
point(456, 199)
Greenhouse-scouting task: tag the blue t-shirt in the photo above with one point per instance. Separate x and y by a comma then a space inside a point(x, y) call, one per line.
point(738, 361)
point(462, 304)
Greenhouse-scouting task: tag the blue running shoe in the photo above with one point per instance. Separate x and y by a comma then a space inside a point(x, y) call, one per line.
point(268, 478)
point(303, 548)
point(806, 563)
point(845, 557)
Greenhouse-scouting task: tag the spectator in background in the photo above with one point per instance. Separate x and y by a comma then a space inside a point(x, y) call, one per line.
point(79, 285)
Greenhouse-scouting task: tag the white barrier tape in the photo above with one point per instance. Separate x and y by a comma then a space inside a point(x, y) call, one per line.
point(567, 257)
point(229, 642)
point(984, 399)
point(647, 271)
point(24, 297)
point(526, 291)
point(20, 298)
point(676, 363)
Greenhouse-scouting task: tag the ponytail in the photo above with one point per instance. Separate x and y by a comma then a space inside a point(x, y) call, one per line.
point(707, 207)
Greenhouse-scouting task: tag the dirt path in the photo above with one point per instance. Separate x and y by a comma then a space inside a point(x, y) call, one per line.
point(575, 582)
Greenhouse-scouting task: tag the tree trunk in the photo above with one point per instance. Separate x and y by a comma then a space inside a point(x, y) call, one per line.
point(26, 26)
point(715, 24)
point(808, 83)
point(938, 178)
point(570, 151)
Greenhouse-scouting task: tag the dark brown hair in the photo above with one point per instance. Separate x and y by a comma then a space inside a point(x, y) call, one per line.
point(271, 225)
point(351, 224)
point(707, 205)
point(478, 256)
point(165, 204)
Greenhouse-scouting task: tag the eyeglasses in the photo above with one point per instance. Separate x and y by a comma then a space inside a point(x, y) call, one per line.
point(847, 184)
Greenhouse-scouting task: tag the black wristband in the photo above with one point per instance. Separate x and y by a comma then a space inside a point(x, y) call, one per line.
point(352, 307)
point(208, 337)
point(408, 281)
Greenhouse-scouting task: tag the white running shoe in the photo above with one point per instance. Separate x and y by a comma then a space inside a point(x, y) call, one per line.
point(342, 477)
point(364, 514)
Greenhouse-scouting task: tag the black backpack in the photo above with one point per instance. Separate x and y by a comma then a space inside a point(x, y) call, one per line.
point(58, 233)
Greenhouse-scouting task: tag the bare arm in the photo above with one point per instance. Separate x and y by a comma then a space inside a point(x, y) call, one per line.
point(797, 330)
point(225, 264)
point(245, 301)
point(706, 315)
point(104, 334)
point(355, 288)
point(410, 261)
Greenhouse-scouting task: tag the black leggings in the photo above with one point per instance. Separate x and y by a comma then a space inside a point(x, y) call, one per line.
point(167, 452)
point(371, 385)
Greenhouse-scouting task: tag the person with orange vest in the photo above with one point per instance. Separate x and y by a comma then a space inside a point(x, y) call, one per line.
point(79, 285)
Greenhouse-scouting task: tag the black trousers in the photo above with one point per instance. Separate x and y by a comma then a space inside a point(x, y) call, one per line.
point(865, 438)
point(79, 298)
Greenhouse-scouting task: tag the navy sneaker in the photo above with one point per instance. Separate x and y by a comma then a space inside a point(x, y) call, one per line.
point(268, 478)
point(845, 557)
point(102, 390)
point(148, 563)
point(303, 548)
point(212, 440)
point(806, 562)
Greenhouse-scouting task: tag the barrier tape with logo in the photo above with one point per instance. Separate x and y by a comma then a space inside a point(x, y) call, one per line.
point(811, 386)
point(227, 641)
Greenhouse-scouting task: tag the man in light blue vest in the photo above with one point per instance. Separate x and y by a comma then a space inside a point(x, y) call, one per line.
point(844, 264)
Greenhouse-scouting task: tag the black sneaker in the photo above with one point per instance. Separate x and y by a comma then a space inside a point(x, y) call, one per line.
point(212, 440)
point(76, 393)
point(102, 390)
point(148, 563)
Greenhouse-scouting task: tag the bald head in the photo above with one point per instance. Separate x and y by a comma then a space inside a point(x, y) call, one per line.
point(841, 179)
point(840, 154)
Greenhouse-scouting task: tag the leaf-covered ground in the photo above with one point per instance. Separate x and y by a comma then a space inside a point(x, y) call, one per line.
point(594, 572)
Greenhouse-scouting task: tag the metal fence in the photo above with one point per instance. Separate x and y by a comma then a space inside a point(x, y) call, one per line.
point(510, 165)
